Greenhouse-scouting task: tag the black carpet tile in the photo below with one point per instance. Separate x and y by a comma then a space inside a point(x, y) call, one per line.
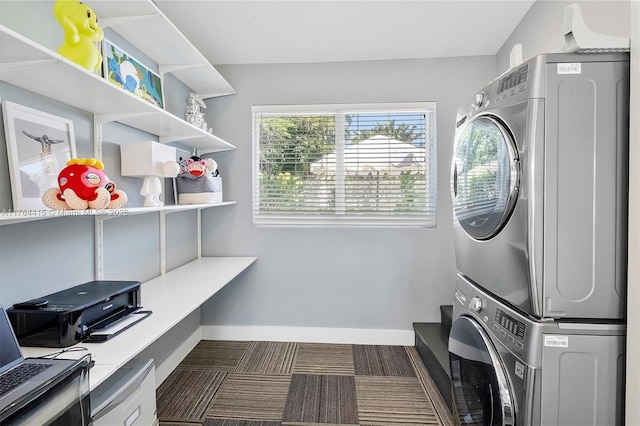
point(321, 399)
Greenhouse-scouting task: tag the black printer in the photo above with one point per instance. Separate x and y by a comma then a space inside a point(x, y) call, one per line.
point(69, 316)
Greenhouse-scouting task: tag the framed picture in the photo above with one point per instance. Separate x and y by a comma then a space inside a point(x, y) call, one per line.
point(127, 73)
point(38, 148)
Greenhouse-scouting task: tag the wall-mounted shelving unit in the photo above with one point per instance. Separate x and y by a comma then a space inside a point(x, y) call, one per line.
point(35, 68)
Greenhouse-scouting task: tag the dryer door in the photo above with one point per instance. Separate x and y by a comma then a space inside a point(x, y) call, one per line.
point(481, 393)
point(485, 176)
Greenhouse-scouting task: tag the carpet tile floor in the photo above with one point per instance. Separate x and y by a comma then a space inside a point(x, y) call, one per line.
point(223, 383)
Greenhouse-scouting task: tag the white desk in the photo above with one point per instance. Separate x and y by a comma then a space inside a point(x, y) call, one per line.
point(171, 297)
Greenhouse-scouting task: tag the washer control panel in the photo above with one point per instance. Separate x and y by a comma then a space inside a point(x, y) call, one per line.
point(507, 326)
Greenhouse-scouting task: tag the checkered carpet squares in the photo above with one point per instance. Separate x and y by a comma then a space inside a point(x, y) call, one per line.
point(223, 383)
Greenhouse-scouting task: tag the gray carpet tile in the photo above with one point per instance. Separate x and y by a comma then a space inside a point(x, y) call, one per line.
point(251, 397)
point(375, 360)
point(321, 399)
point(393, 401)
point(185, 395)
point(215, 355)
point(319, 358)
point(232, 422)
point(268, 358)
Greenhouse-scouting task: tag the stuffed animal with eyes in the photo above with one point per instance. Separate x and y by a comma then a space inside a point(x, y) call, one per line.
point(195, 167)
point(199, 181)
point(81, 31)
point(83, 184)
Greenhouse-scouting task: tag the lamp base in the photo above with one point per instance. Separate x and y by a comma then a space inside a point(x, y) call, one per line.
point(151, 190)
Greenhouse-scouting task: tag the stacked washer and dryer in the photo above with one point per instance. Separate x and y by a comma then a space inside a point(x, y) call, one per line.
point(539, 190)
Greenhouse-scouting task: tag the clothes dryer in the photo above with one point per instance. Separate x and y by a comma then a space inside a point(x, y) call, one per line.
point(539, 184)
point(507, 369)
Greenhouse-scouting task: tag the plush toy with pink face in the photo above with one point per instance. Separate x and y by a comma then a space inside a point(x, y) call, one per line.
point(195, 166)
point(84, 185)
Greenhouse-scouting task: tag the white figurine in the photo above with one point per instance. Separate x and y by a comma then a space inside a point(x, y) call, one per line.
point(194, 115)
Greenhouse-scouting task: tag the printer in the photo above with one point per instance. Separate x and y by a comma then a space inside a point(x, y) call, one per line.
point(69, 316)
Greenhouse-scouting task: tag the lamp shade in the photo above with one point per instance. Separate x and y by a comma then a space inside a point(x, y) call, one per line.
point(147, 158)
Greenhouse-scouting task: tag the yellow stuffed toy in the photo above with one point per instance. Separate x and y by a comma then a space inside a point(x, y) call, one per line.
point(81, 31)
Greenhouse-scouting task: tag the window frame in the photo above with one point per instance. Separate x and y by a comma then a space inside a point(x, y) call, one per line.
point(290, 219)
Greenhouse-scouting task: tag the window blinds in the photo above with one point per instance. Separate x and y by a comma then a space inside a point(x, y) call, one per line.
point(346, 165)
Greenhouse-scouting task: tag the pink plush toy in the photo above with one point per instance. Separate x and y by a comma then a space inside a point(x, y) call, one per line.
point(83, 185)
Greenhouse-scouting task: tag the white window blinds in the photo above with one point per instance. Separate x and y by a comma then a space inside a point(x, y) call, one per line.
point(351, 165)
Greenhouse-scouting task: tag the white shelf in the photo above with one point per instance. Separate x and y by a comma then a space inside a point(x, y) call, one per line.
point(162, 42)
point(8, 218)
point(170, 303)
point(33, 67)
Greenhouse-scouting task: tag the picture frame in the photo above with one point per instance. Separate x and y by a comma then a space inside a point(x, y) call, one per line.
point(39, 145)
point(129, 74)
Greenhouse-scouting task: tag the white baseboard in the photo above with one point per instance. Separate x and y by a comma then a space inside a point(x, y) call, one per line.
point(309, 335)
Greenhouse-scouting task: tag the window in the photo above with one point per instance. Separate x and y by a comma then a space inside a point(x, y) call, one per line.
point(344, 165)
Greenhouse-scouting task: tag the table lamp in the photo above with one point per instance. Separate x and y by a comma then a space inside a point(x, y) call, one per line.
point(151, 161)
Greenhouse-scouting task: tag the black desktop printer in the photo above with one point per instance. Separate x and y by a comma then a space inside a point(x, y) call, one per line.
point(69, 316)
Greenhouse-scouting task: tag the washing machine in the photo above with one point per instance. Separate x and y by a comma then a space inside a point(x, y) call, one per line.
point(539, 186)
point(508, 369)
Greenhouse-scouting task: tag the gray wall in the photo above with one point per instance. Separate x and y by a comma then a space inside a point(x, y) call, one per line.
point(540, 31)
point(379, 278)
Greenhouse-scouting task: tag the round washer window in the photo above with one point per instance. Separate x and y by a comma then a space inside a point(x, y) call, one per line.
point(485, 176)
point(481, 394)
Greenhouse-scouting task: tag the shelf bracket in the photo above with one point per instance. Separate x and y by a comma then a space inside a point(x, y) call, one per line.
point(99, 248)
point(199, 230)
point(108, 118)
point(97, 138)
point(119, 20)
point(163, 242)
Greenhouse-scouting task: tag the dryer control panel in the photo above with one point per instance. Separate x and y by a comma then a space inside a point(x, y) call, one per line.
point(513, 79)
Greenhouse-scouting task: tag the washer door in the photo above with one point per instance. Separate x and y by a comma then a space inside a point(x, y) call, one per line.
point(481, 393)
point(485, 176)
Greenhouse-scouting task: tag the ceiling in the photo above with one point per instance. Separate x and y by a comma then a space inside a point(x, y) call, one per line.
point(302, 31)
